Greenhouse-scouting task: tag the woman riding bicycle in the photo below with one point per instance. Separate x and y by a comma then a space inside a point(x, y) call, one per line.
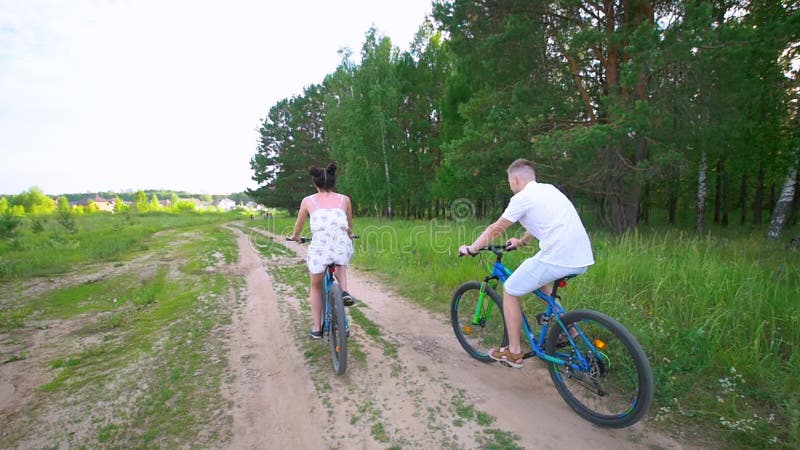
point(564, 247)
point(331, 223)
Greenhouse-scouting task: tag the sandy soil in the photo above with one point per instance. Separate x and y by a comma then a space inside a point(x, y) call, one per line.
point(273, 403)
point(415, 399)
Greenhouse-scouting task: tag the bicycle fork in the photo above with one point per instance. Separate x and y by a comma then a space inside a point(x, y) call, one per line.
point(482, 309)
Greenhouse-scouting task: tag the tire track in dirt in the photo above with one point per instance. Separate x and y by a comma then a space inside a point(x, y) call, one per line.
point(417, 388)
point(274, 405)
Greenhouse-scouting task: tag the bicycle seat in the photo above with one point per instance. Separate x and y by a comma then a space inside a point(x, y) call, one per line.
point(561, 282)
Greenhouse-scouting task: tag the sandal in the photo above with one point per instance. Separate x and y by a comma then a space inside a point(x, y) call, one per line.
point(504, 356)
point(348, 299)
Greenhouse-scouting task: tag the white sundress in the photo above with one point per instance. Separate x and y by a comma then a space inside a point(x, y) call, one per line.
point(330, 241)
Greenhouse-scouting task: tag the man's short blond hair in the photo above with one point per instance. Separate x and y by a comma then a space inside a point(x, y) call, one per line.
point(520, 167)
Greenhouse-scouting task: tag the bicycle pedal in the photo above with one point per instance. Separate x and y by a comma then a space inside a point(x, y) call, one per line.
point(541, 319)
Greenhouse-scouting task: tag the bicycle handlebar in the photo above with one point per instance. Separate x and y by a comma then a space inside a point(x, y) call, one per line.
point(304, 239)
point(494, 248)
point(500, 248)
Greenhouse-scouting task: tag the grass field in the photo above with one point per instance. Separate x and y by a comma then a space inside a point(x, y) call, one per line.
point(43, 246)
point(127, 318)
point(717, 314)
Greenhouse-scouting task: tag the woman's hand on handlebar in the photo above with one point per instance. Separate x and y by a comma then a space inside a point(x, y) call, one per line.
point(514, 243)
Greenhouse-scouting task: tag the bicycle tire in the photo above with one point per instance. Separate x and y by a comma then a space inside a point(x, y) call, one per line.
point(617, 389)
point(489, 332)
point(337, 337)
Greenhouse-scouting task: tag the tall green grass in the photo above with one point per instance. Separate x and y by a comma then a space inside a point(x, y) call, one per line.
point(719, 319)
point(717, 316)
point(42, 246)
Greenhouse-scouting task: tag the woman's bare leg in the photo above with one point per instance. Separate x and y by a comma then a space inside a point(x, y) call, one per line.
point(315, 299)
point(341, 275)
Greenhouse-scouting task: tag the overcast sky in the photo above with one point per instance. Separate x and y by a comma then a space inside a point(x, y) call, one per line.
point(111, 95)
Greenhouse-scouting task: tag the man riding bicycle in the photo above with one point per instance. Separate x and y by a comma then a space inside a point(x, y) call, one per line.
point(564, 247)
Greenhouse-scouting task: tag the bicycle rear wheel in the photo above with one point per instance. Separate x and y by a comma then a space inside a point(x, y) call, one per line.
point(614, 388)
point(478, 327)
point(337, 338)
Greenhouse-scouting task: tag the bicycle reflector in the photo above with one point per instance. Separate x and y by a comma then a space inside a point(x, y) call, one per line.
point(599, 344)
point(467, 329)
point(562, 283)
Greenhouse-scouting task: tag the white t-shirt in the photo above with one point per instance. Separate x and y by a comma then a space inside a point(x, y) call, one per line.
point(550, 217)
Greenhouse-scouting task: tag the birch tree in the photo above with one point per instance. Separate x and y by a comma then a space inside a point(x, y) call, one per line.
point(783, 206)
point(702, 194)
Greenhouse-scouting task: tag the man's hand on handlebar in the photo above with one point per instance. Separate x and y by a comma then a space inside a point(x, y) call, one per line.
point(514, 243)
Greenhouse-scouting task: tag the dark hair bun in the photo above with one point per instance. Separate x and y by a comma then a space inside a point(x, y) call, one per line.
point(324, 179)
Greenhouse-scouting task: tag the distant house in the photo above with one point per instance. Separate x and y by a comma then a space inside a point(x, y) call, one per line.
point(199, 204)
point(226, 204)
point(251, 205)
point(101, 203)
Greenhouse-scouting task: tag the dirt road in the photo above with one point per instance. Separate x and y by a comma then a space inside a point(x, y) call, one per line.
point(409, 384)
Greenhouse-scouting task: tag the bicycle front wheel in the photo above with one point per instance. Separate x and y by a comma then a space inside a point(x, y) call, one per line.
point(478, 320)
point(337, 338)
point(607, 379)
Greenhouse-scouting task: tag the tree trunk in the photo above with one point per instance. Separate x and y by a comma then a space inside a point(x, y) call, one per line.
point(624, 211)
point(725, 190)
point(622, 185)
point(772, 199)
point(718, 192)
point(672, 201)
point(602, 210)
point(743, 200)
point(386, 170)
point(644, 209)
point(721, 195)
point(382, 125)
point(795, 205)
point(783, 206)
point(759, 199)
point(702, 193)
point(622, 200)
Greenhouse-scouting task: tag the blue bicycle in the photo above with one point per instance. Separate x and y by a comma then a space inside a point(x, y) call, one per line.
point(596, 364)
point(334, 320)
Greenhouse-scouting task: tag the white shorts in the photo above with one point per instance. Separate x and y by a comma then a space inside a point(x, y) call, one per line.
point(328, 249)
point(533, 274)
